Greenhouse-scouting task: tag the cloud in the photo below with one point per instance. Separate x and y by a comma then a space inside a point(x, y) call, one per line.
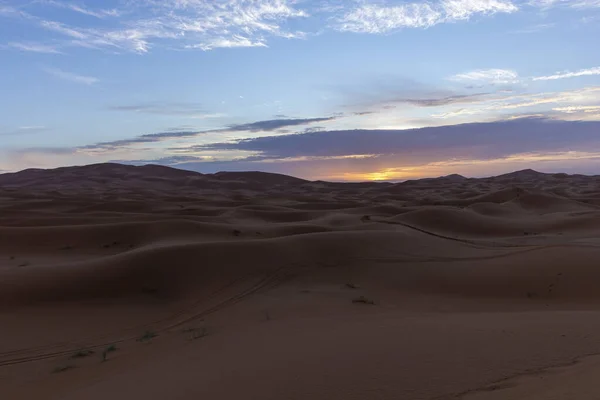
point(147, 138)
point(489, 76)
point(190, 110)
point(258, 126)
point(25, 130)
point(373, 18)
point(171, 160)
point(141, 24)
point(71, 77)
point(577, 109)
point(35, 47)
point(567, 74)
point(534, 28)
point(275, 124)
point(576, 4)
point(442, 101)
point(101, 13)
point(509, 102)
point(495, 139)
point(224, 42)
point(475, 149)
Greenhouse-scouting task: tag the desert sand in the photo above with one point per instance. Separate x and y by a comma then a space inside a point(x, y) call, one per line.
point(126, 282)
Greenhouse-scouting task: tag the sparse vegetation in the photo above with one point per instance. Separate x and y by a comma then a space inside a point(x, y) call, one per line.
point(236, 232)
point(148, 335)
point(352, 286)
point(199, 333)
point(25, 264)
point(107, 351)
point(62, 368)
point(267, 315)
point(363, 300)
point(82, 353)
point(11, 258)
point(365, 218)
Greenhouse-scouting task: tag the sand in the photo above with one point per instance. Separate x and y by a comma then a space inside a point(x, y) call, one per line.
point(259, 286)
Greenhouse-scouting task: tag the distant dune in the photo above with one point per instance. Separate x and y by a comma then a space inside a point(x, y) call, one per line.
point(150, 282)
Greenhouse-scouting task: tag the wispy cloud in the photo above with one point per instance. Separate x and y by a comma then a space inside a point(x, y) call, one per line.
point(192, 23)
point(140, 25)
point(224, 42)
point(568, 74)
point(258, 126)
point(25, 130)
point(576, 109)
point(170, 160)
point(374, 18)
point(534, 28)
point(189, 110)
point(100, 13)
point(504, 76)
point(581, 4)
point(489, 76)
point(71, 77)
point(35, 47)
point(528, 102)
point(274, 124)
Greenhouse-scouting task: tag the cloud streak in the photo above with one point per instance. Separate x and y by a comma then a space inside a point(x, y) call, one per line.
point(25, 130)
point(190, 110)
point(576, 4)
point(101, 13)
point(34, 47)
point(71, 77)
point(490, 76)
point(568, 74)
point(258, 126)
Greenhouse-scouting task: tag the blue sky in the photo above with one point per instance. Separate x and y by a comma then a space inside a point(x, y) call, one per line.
point(318, 89)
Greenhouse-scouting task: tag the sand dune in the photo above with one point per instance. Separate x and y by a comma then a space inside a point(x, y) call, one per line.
point(253, 285)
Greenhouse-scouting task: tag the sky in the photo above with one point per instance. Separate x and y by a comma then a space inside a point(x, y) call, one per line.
point(350, 90)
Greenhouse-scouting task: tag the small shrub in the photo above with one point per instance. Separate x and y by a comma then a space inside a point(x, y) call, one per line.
point(236, 232)
point(82, 354)
point(62, 368)
point(352, 286)
point(365, 218)
point(363, 300)
point(148, 335)
point(108, 350)
point(199, 333)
